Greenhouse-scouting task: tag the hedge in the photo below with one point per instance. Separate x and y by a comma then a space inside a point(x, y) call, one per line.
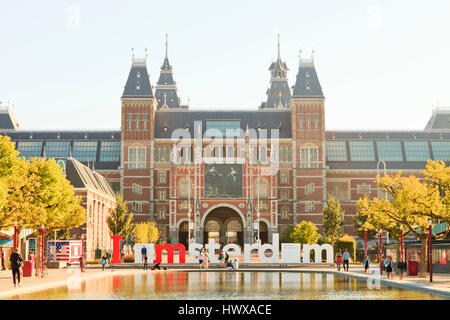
point(346, 242)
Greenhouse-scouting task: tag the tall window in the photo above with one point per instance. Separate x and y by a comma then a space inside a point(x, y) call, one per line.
point(316, 120)
point(162, 177)
point(284, 213)
point(300, 121)
point(137, 207)
point(308, 120)
point(136, 157)
point(137, 121)
point(162, 195)
point(130, 119)
point(284, 177)
point(309, 157)
point(310, 206)
point(136, 188)
point(161, 213)
point(145, 121)
point(309, 188)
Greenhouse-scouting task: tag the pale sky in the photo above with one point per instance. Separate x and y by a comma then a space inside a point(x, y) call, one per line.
point(382, 64)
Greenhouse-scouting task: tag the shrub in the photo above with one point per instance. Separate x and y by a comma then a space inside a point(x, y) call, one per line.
point(346, 242)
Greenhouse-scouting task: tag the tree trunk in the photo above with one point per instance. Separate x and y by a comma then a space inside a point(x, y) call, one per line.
point(38, 254)
point(423, 258)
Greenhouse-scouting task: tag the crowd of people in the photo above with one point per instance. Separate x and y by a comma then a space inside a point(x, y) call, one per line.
point(387, 264)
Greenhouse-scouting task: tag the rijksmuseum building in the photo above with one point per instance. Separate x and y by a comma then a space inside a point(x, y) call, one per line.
point(275, 167)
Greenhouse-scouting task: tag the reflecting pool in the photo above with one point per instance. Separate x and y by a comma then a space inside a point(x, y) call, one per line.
point(226, 285)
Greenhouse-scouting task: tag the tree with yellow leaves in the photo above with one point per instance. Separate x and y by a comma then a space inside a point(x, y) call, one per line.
point(415, 203)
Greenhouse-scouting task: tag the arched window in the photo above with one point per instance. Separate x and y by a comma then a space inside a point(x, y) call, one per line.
point(289, 155)
point(184, 226)
point(263, 154)
point(234, 225)
point(212, 226)
point(230, 153)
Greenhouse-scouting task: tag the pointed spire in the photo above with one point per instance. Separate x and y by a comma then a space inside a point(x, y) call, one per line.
point(279, 56)
point(167, 44)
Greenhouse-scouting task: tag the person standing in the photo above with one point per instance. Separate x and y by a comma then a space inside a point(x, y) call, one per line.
point(366, 265)
point(220, 257)
point(81, 263)
point(338, 260)
point(3, 256)
point(16, 263)
point(145, 263)
point(401, 267)
point(200, 259)
point(103, 262)
point(346, 257)
point(144, 253)
point(388, 265)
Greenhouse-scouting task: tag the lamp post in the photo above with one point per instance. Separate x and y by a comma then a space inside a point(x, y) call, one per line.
point(42, 250)
point(381, 253)
point(15, 237)
point(401, 245)
point(365, 244)
point(430, 259)
point(189, 204)
point(258, 214)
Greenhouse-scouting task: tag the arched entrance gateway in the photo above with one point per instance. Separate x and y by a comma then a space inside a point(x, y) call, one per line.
point(224, 225)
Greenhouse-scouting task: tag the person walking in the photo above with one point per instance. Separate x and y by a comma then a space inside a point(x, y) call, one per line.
point(388, 265)
point(366, 265)
point(16, 263)
point(346, 257)
point(3, 256)
point(338, 260)
point(200, 259)
point(227, 257)
point(108, 257)
point(401, 266)
point(220, 257)
point(81, 263)
point(103, 262)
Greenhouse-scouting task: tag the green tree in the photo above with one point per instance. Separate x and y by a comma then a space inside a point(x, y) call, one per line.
point(120, 221)
point(333, 219)
point(359, 222)
point(286, 235)
point(305, 233)
point(415, 202)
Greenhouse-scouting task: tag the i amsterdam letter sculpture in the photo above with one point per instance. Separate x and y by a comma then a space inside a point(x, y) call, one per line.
point(291, 252)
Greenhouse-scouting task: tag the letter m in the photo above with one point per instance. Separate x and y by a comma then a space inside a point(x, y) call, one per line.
point(317, 252)
point(170, 249)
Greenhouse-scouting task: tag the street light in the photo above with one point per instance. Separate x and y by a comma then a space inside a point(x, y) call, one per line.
point(381, 253)
point(430, 259)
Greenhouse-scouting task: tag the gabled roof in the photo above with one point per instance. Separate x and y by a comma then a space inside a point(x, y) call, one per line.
point(82, 177)
point(440, 119)
point(166, 121)
point(307, 84)
point(138, 83)
point(7, 119)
